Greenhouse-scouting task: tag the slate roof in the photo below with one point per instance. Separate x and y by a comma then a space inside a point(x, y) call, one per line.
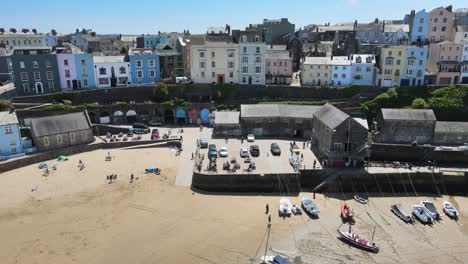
point(408, 114)
point(227, 117)
point(58, 124)
point(277, 55)
point(317, 61)
point(108, 59)
point(7, 118)
point(331, 116)
point(278, 110)
point(451, 127)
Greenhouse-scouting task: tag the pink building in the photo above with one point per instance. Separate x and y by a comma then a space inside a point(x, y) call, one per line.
point(444, 62)
point(441, 25)
point(278, 65)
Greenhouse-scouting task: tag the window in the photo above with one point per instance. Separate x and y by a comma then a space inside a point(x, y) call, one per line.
point(231, 65)
point(139, 74)
point(421, 20)
point(213, 64)
point(202, 54)
point(230, 54)
point(26, 87)
point(244, 80)
point(68, 84)
point(8, 130)
point(46, 141)
point(258, 69)
point(259, 60)
point(436, 20)
point(213, 54)
point(202, 74)
point(411, 62)
point(72, 137)
point(420, 62)
point(139, 63)
point(122, 70)
point(420, 29)
point(202, 64)
point(65, 62)
point(35, 64)
point(368, 69)
point(24, 76)
point(390, 53)
point(335, 75)
point(257, 38)
point(151, 63)
point(13, 149)
point(67, 73)
point(48, 64)
point(388, 61)
point(343, 76)
point(83, 62)
point(318, 74)
point(398, 62)
point(231, 74)
point(444, 20)
point(59, 139)
point(444, 28)
point(245, 49)
point(152, 73)
point(51, 86)
point(12, 141)
point(85, 82)
point(399, 53)
point(213, 74)
point(245, 69)
point(245, 59)
point(410, 72)
point(102, 71)
point(434, 29)
point(388, 71)
point(37, 76)
point(257, 49)
point(21, 63)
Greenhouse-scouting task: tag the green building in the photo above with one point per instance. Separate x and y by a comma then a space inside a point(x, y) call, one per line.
point(171, 62)
point(275, 29)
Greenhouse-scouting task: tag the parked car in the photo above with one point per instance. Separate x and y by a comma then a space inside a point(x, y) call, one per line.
point(294, 148)
point(168, 81)
point(244, 153)
point(154, 123)
point(183, 79)
point(140, 128)
point(250, 138)
point(203, 142)
point(154, 134)
point(212, 152)
point(223, 152)
point(254, 151)
point(275, 149)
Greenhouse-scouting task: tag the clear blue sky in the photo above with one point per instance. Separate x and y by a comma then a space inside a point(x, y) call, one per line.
point(150, 16)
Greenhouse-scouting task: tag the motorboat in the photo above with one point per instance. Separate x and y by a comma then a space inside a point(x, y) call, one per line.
point(285, 207)
point(360, 199)
point(420, 213)
point(354, 240)
point(432, 209)
point(309, 206)
point(296, 210)
point(274, 260)
point(400, 211)
point(449, 210)
point(347, 214)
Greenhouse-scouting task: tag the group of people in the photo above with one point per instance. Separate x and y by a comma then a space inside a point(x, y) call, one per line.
point(111, 178)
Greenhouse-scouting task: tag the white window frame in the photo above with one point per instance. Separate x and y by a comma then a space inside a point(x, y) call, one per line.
point(22, 65)
point(26, 87)
point(24, 76)
point(152, 73)
point(151, 63)
point(139, 74)
point(37, 76)
point(46, 141)
point(35, 64)
point(139, 63)
point(51, 85)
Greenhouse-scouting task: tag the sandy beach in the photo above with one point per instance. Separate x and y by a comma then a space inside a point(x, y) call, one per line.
point(75, 216)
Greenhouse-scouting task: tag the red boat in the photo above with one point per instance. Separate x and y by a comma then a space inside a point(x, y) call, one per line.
point(347, 214)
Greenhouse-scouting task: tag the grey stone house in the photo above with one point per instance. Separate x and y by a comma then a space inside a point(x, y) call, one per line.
point(60, 131)
point(226, 123)
point(405, 126)
point(35, 71)
point(278, 120)
point(338, 139)
point(5, 73)
point(450, 133)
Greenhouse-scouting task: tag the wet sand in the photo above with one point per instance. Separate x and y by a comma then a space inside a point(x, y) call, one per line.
point(77, 217)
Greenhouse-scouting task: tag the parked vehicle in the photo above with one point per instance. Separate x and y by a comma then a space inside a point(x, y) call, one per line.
point(449, 210)
point(244, 153)
point(275, 149)
point(254, 151)
point(420, 213)
point(183, 79)
point(285, 207)
point(223, 152)
point(154, 134)
point(250, 138)
point(140, 128)
point(432, 210)
point(401, 212)
point(203, 143)
point(295, 149)
point(274, 260)
point(212, 152)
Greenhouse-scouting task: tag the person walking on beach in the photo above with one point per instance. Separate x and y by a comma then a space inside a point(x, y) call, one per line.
point(131, 178)
point(267, 208)
point(269, 219)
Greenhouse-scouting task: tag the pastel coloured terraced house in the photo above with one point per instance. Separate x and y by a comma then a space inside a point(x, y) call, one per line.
point(444, 62)
point(76, 68)
point(144, 64)
point(341, 70)
point(415, 66)
point(441, 25)
point(363, 69)
point(316, 71)
point(392, 64)
point(278, 65)
point(464, 65)
point(10, 136)
point(111, 71)
point(420, 26)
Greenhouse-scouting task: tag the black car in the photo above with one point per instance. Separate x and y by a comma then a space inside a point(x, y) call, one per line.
point(275, 149)
point(254, 151)
point(212, 152)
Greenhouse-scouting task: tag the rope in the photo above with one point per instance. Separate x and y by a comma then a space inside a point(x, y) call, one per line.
point(411, 182)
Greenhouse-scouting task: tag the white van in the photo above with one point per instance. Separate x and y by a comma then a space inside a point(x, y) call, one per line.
point(183, 79)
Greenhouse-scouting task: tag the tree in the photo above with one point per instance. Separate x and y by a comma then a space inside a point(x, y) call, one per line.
point(124, 50)
point(448, 99)
point(160, 92)
point(419, 103)
point(5, 105)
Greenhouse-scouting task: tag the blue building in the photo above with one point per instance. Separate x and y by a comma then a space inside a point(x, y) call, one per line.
point(144, 65)
point(10, 136)
point(415, 66)
point(151, 41)
point(420, 26)
point(85, 70)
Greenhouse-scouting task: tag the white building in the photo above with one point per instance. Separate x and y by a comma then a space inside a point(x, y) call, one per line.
point(341, 70)
point(316, 71)
point(252, 50)
point(214, 59)
point(362, 69)
point(111, 71)
point(19, 39)
point(464, 65)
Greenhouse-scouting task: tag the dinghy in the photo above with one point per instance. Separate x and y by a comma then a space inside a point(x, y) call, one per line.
point(449, 210)
point(360, 200)
point(347, 214)
point(401, 212)
point(419, 212)
point(309, 206)
point(285, 207)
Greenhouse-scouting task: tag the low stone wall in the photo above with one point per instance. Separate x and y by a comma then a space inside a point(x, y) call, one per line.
point(42, 156)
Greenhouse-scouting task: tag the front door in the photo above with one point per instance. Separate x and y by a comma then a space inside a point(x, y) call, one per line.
point(250, 79)
point(220, 78)
point(39, 88)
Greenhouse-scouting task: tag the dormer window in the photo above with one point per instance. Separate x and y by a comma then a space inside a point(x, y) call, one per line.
point(257, 38)
point(358, 60)
point(369, 60)
point(244, 38)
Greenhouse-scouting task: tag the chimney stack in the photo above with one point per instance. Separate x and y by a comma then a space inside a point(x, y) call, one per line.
point(13, 30)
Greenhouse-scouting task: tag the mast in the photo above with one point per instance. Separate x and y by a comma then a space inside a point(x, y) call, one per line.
point(373, 233)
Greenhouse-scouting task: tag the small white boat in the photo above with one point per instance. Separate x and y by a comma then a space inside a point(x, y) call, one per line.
point(431, 209)
point(354, 240)
point(309, 206)
point(401, 212)
point(420, 213)
point(285, 207)
point(359, 199)
point(449, 210)
point(274, 260)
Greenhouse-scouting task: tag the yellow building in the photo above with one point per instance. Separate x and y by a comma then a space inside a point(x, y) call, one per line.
point(392, 65)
